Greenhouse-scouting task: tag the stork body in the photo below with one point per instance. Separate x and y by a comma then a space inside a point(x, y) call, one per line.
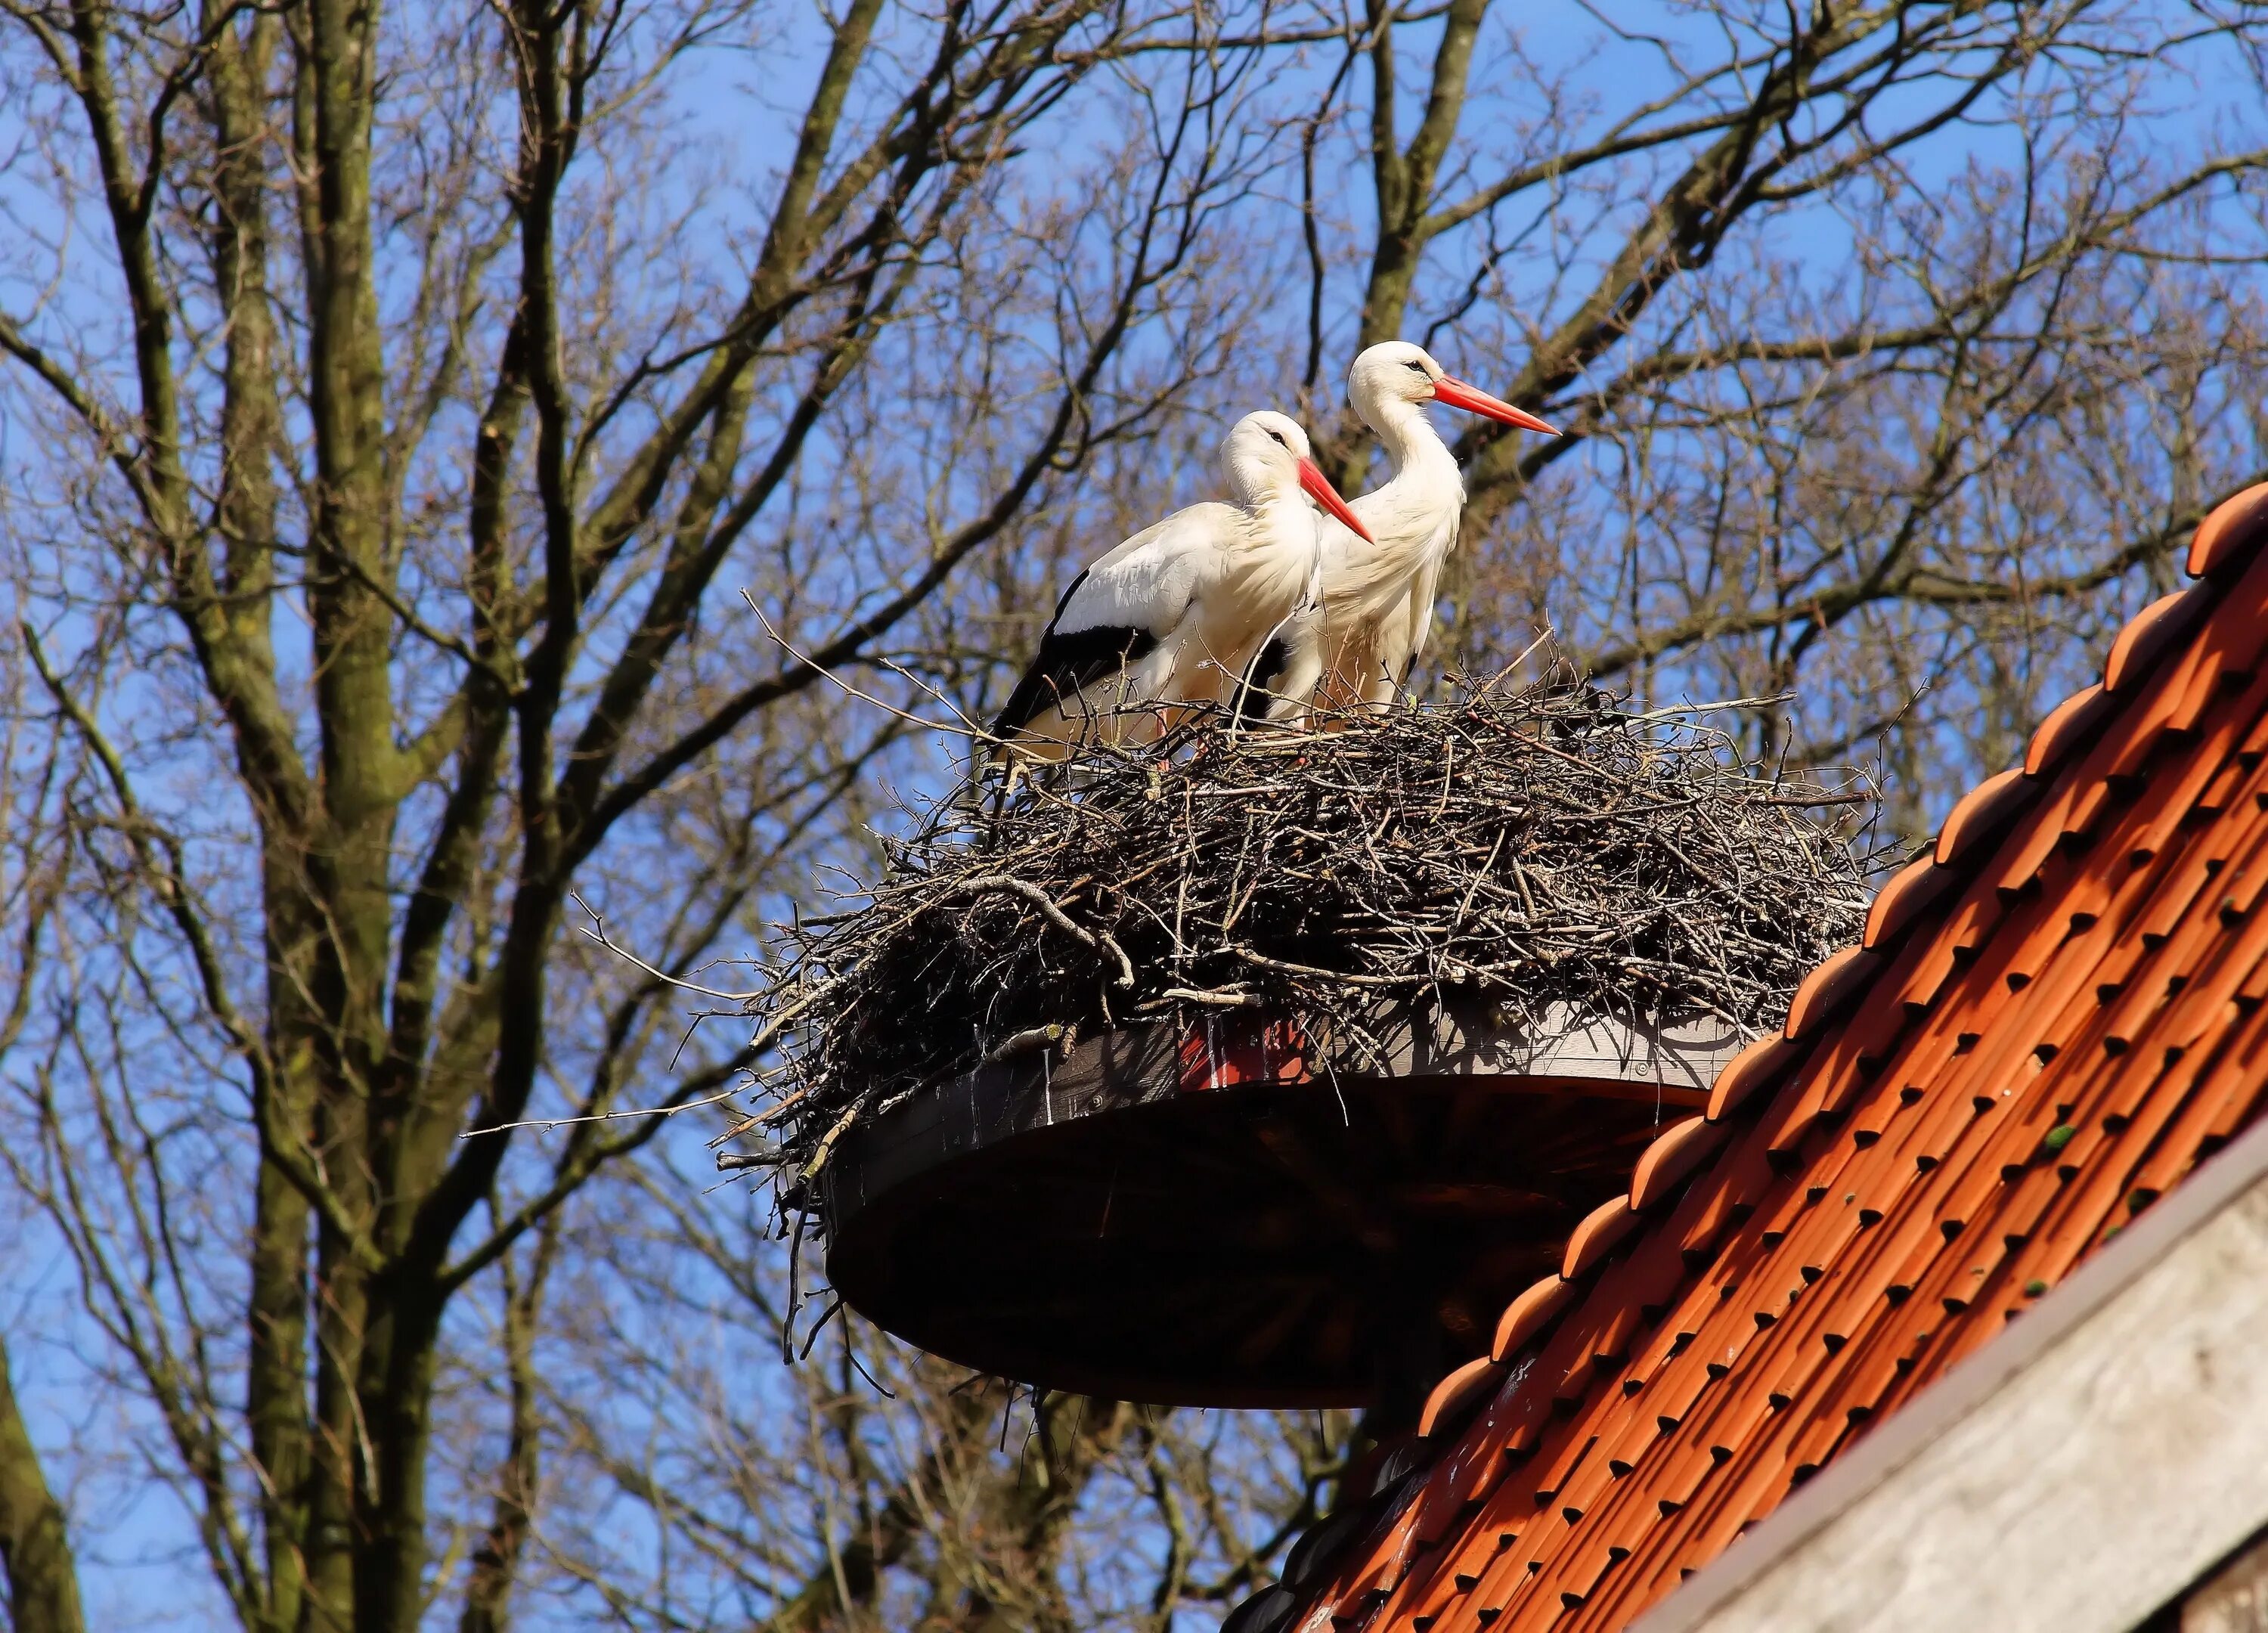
point(1378, 593)
point(1179, 613)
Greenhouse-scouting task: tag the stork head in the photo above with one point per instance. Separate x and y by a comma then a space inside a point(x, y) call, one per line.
point(1266, 456)
point(1400, 372)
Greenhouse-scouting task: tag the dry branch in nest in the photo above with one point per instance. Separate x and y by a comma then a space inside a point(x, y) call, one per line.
point(1538, 847)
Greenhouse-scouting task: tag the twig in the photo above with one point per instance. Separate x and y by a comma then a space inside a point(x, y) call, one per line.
point(601, 1116)
point(1054, 914)
point(1025, 1042)
point(597, 931)
point(821, 670)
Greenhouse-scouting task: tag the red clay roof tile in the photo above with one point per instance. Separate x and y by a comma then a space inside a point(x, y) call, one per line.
point(1911, 888)
point(2072, 722)
point(1981, 814)
point(1840, 977)
point(1595, 1233)
point(1670, 1158)
point(1754, 1067)
point(1526, 1316)
point(2056, 1017)
point(1459, 1390)
point(2147, 634)
point(2230, 533)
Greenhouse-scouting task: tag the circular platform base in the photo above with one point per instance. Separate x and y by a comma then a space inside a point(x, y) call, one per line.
point(1191, 1219)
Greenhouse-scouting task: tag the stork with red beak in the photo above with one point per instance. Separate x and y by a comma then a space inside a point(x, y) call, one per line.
point(1379, 589)
point(1178, 613)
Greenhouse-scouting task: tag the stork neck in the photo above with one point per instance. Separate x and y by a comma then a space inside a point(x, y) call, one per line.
point(1283, 518)
point(1408, 437)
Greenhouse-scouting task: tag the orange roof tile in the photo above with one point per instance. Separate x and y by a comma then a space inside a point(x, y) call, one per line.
point(2052, 1017)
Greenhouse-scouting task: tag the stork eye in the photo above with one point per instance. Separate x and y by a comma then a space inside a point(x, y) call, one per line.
point(1278, 438)
point(1416, 365)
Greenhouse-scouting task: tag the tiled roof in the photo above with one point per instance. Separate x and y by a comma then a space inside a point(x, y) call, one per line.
point(2054, 1015)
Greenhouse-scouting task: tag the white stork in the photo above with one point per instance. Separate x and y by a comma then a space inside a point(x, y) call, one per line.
point(1178, 612)
point(1378, 590)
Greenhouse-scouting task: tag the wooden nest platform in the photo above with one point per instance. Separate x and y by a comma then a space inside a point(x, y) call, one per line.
point(1162, 1074)
point(1196, 1217)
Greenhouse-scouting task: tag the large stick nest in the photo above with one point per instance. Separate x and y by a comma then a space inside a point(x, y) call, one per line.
point(1539, 846)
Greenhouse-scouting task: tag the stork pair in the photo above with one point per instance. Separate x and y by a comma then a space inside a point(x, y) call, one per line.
point(1262, 605)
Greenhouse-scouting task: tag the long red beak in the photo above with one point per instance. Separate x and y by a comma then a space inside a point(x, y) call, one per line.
point(1319, 489)
point(1455, 393)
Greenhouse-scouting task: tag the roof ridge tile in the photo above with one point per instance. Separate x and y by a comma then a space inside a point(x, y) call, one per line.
point(1527, 1315)
point(1834, 983)
point(1914, 887)
point(2234, 527)
point(2070, 725)
point(1763, 1062)
point(1981, 813)
point(2144, 637)
point(1453, 1394)
point(1595, 1233)
point(1670, 1157)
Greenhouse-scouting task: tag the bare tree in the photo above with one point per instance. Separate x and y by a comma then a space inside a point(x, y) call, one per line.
point(394, 435)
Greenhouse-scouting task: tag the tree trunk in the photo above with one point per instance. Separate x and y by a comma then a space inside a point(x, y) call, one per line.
point(35, 1544)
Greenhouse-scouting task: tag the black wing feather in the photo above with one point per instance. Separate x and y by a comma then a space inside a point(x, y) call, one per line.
point(1254, 697)
point(1067, 664)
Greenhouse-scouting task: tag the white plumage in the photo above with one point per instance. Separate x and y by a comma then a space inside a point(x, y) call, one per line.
point(1379, 592)
point(1180, 612)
